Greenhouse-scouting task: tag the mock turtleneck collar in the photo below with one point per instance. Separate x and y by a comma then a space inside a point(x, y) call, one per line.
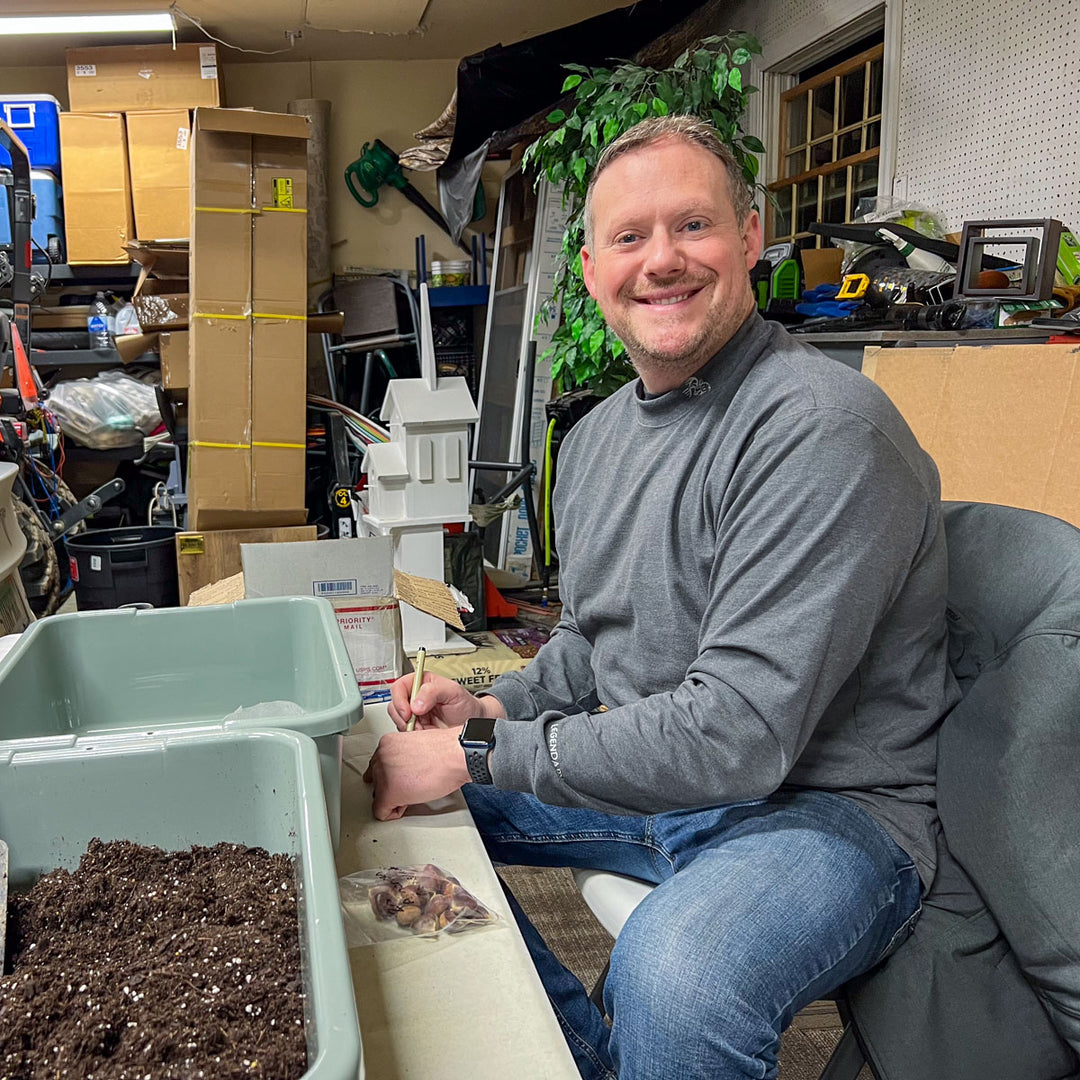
point(722, 375)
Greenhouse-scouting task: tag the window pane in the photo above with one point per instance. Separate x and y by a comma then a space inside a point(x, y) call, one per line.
point(865, 179)
point(821, 153)
point(806, 210)
point(795, 163)
point(875, 88)
point(873, 135)
point(824, 118)
point(849, 143)
point(796, 121)
point(834, 204)
point(805, 242)
point(851, 97)
point(782, 214)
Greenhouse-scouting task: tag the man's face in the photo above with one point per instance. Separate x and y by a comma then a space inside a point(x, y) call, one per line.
point(669, 261)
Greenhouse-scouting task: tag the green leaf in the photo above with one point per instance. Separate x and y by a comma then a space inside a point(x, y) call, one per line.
point(596, 339)
point(556, 116)
point(640, 109)
point(589, 132)
point(577, 67)
point(558, 135)
point(751, 163)
point(611, 129)
point(575, 328)
point(579, 167)
point(659, 107)
point(572, 80)
point(752, 142)
point(702, 60)
point(735, 79)
point(682, 61)
point(739, 56)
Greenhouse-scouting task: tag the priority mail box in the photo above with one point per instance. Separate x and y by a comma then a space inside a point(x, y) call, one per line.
point(128, 78)
point(357, 577)
point(248, 330)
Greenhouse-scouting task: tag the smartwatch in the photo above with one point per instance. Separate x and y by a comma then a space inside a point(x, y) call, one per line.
point(477, 739)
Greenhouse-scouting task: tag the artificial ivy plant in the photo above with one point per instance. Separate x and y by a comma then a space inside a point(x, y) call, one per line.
point(705, 81)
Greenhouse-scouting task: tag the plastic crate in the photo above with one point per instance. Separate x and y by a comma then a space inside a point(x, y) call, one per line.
point(48, 225)
point(98, 672)
point(174, 790)
point(35, 120)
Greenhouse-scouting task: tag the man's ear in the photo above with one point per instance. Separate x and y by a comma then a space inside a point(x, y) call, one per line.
point(588, 271)
point(753, 239)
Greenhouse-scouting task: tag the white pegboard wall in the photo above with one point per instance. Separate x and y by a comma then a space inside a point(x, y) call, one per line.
point(988, 126)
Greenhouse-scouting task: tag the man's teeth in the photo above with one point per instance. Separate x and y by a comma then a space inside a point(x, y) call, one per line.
point(671, 299)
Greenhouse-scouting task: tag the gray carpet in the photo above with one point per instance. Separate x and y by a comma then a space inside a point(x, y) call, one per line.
point(556, 909)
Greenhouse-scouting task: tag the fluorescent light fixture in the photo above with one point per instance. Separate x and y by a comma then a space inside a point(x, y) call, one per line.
point(133, 22)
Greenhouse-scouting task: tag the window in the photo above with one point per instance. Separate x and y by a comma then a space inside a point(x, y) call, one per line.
point(830, 142)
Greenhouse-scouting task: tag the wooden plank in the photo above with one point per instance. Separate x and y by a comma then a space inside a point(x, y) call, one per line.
point(206, 557)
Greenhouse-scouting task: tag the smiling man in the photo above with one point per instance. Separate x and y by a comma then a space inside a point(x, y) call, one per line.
point(752, 573)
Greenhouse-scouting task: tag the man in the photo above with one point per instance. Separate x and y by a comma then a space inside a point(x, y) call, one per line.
point(753, 586)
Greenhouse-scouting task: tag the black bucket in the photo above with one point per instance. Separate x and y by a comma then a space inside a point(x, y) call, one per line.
point(113, 567)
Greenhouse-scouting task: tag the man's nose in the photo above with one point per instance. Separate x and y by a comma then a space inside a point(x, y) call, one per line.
point(663, 255)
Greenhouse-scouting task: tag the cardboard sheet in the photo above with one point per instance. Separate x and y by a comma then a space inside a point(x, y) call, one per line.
point(1001, 422)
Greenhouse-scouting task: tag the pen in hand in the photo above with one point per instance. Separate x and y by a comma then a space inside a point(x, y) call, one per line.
point(418, 678)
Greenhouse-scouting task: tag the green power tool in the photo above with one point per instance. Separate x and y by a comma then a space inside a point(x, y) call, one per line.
point(378, 165)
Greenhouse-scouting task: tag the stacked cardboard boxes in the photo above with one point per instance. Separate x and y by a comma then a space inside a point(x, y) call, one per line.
point(125, 144)
point(248, 329)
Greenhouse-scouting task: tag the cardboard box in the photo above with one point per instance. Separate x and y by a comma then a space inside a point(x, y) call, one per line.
point(205, 558)
point(1002, 422)
point(357, 576)
point(97, 195)
point(129, 78)
point(159, 161)
point(478, 670)
point(162, 304)
point(173, 349)
point(248, 338)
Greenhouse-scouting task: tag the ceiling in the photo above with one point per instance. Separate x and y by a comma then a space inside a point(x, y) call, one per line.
point(321, 29)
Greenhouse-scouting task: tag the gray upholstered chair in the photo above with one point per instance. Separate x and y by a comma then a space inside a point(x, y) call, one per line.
point(987, 987)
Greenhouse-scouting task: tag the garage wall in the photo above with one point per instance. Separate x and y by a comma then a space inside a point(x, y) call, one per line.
point(388, 100)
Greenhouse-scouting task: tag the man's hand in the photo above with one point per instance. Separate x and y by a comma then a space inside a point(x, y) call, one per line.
point(415, 767)
point(440, 703)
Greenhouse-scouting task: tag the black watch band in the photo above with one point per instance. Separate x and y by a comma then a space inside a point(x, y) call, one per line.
point(477, 740)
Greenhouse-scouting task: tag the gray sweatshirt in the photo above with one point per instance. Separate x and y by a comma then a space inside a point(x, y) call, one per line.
point(753, 573)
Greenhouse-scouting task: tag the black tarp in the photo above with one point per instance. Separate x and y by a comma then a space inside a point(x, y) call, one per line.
point(502, 86)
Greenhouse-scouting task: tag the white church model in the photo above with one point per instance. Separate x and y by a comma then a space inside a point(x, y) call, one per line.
point(419, 480)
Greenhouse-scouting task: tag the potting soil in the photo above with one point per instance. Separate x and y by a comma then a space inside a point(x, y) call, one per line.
point(143, 963)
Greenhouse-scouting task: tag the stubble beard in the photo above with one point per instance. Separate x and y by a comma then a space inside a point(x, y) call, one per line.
point(716, 329)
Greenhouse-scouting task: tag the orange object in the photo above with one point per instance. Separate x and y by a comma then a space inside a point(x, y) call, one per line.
point(24, 373)
point(498, 607)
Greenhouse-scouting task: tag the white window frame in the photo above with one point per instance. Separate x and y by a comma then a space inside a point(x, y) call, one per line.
point(783, 58)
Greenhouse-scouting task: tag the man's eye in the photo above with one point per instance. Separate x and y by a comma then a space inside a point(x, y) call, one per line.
point(627, 238)
point(695, 226)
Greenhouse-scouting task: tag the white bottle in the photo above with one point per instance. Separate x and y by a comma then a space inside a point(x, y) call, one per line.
point(97, 324)
point(917, 258)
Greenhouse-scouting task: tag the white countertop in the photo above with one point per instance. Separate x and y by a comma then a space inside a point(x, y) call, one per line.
point(469, 1006)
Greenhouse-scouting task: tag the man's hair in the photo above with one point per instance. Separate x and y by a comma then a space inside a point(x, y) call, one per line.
point(687, 129)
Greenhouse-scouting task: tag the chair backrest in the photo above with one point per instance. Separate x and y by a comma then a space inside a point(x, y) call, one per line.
point(1009, 753)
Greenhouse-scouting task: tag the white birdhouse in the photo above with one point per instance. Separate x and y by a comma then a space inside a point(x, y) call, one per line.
point(419, 480)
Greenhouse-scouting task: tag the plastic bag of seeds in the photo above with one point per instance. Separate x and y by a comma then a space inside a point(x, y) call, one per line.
point(399, 901)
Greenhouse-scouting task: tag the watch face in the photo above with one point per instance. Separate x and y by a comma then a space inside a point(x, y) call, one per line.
point(478, 729)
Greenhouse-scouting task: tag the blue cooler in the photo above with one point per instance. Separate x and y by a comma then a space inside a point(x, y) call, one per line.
point(48, 226)
point(35, 120)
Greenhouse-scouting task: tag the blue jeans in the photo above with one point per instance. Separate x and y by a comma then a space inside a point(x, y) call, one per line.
point(761, 907)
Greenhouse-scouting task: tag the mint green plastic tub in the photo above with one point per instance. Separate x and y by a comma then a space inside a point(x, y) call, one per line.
point(113, 671)
point(260, 788)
